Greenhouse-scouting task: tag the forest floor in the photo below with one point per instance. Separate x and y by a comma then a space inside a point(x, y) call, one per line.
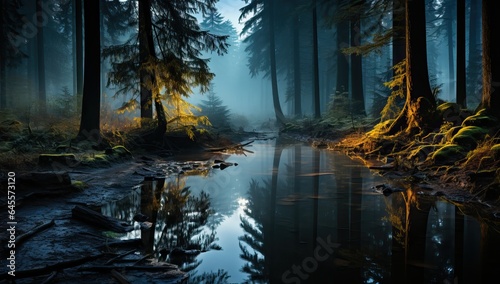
point(467, 178)
point(52, 176)
point(459, 162)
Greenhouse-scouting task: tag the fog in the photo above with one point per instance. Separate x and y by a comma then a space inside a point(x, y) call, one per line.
point(244, 91)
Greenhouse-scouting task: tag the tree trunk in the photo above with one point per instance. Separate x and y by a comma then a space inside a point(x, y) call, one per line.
point(460, 82)
point(398, 39)
point(358, 98)
point(316, 103)
point(280, 117)
point(42, 97)
point(91, 101)
point(473, 69)
point(342, 59)
point(490, 99)
point(78, 49)
point(3, 58)
point(146, 48)
point(451, 59)
point(418, 113)
point(296, 66)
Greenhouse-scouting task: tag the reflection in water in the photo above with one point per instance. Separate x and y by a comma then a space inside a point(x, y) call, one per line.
point(293, 214)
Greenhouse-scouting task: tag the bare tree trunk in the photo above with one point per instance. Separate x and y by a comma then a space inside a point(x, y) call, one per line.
point(280, 117)
point(418, 114)
point(358, 98)
point(316, 101)
point(91, 100)
point(78, 48)
point(491, 60)
point(146, 47)
point(460, 82)
point(42, 97)
point(296, 66)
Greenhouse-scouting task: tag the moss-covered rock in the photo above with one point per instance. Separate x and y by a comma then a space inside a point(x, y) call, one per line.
point(469, 136)
point(448, 154)
point(480, 119)
point(451, 132)
point(421, 153)
point(495, 152)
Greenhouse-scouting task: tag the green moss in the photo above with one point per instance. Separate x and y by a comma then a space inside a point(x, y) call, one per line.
point(495, 152)
point(480, 120)
point(421, 153)
point(78, 184)
point(380, 128)
point(451, 132)
point(448, 154)
point(469, 136)
point(121, 151)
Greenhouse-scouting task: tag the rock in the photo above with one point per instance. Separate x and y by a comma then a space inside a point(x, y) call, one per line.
point(57, 161)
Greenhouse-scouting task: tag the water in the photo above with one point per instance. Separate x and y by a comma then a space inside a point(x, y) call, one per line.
point(289, 213)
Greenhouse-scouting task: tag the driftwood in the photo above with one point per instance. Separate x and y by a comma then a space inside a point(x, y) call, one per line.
point(53, 267)
point(95, 218)
point(49, 279)
point(123, 243)
point(22, 238)
point(230, 147)
point(120, 278)
point(150, 268)
point(119, 256)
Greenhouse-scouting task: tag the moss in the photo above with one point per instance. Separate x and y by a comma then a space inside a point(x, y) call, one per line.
point(421, 153)
point(381, 128)
point(80, 185)
point(481, 120)
point(495, 152)
point(448, 154)
point(119, 151)
point(451, 132)
point(469, 136)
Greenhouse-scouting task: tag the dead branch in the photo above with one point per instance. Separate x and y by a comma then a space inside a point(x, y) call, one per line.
point(53, 267)
point(95, 218)
point(22, 238)
point(119, 277)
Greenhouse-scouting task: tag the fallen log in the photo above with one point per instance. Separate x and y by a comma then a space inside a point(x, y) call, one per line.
point(96, 219)
point(122, 243)
point(119, 256)
point(151, 268)
point(120, 278)
point(234, 146)
point(22, 238)
point(50, 268)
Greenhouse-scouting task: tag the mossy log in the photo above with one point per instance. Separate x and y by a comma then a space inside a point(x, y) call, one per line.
point(45, 180)
point(57, 161)
point(96, 219)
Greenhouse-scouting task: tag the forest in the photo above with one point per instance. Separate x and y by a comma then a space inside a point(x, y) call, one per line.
point(409, 88)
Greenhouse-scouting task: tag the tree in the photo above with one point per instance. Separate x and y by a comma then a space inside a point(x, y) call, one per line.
point(358, 98)
point(316, 100)
point(263, 23)
point(11, 38)
point(490, 99)
point(420, 105)
point(169, 53)
point(78, 51)
point(213, 108)
point(91, 100)
point(42, 96)
point(461, 71)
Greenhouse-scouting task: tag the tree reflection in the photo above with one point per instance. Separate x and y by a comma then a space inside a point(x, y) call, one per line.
point(409, 216)
point(259, 233)
point(181, 227)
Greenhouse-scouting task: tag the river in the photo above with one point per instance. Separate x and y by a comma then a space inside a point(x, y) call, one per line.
point(290, 213)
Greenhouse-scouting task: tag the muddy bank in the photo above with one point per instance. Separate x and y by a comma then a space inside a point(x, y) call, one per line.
point(70, 250)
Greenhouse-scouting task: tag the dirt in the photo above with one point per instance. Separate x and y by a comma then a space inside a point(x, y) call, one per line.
point(69, 239)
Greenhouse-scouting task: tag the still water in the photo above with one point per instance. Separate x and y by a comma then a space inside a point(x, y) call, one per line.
point(289, 213)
